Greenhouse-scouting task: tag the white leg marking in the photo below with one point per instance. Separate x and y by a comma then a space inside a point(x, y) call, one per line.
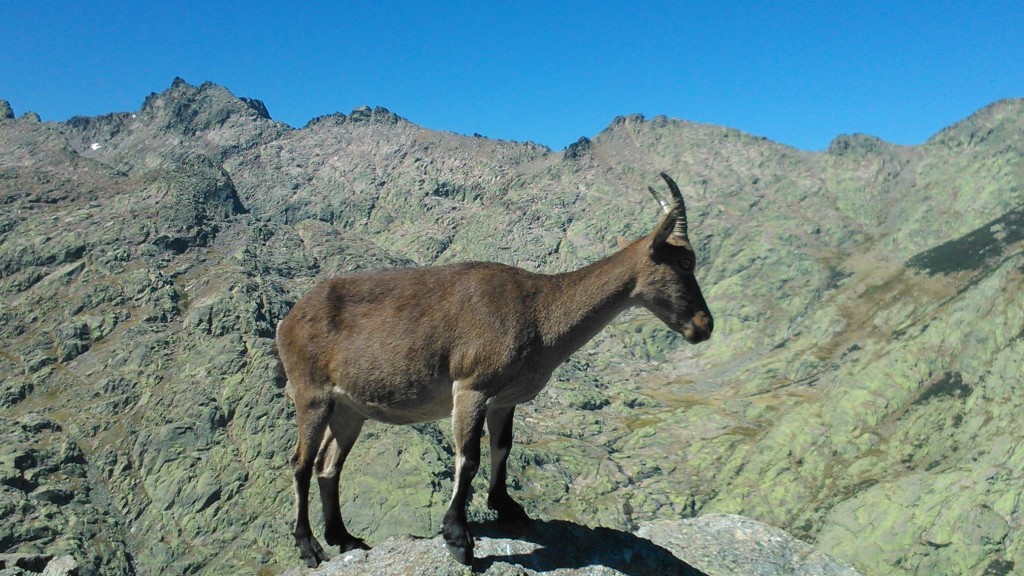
point(459, 460)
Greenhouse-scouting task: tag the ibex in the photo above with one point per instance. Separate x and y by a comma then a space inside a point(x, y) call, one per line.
point(470, 341)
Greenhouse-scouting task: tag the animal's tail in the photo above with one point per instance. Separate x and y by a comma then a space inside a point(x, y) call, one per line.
point(280, 375)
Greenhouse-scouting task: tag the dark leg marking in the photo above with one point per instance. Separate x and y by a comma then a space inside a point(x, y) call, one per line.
point(312, 426)
point(499, 427)
point(345, 426)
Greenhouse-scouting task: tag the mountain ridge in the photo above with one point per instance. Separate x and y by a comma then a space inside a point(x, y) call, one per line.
point(867, 305)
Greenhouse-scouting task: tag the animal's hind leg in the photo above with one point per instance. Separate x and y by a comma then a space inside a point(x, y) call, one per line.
point(312, 420)
point(344, 428)
point(499, 428)
point(467, 427)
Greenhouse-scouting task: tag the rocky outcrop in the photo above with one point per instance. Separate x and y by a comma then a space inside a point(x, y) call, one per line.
point(716, 545)
point(47, 496)
point(45, 564)
point(578, 149)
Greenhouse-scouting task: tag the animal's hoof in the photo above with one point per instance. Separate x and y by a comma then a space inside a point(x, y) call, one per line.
point(343, 540)
point(353, 543)
point(510, 513)
point(463, 554)
point(311, 551)
point(457, 537)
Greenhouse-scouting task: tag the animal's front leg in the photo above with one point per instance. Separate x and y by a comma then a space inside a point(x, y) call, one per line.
point(499, 428)
point(467, 427)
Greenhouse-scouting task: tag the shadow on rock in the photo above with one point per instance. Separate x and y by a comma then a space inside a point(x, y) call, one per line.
point(560, 545)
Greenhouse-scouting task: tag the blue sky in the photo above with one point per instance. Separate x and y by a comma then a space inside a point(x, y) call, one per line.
point(797, 73)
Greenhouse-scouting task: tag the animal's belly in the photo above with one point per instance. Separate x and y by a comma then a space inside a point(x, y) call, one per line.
point(522, 390)
point(412, 404)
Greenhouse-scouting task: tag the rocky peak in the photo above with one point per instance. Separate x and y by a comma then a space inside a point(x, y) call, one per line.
point(359, 114)
point(335, 119)
point(627, 119)
point(998, 122)
point(378, 115)
point(194, 109)
point(857, 144)
point(6, 112)
point(578, 149)
point(258, 106)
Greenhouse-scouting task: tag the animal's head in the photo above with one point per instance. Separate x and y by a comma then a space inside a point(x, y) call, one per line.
point(666, 284)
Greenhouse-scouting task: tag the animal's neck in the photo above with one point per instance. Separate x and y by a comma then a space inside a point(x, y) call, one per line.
point(582, 302)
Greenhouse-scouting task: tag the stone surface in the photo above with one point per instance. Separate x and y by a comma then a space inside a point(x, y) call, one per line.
point(719, 545)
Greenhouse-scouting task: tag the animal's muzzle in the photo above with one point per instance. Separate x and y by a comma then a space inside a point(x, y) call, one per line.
point(700, 328)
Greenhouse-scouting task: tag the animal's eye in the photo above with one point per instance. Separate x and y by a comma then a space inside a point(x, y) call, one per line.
point(686, 265)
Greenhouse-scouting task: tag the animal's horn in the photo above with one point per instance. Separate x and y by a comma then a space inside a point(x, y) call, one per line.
point(661, 201)
point(677, 197)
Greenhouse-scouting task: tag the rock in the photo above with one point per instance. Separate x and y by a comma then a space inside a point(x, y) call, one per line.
point(360, 114)
point(30, 562)
point(363, 114)
point(72, 340)
point(6, 112)
point(583, 399)
point(47, 504)
point(718, 545)
point(729, 544)
point(335, 119)
point(578, 149)
point(61, 566)
point(192, 197)
point(258, 106)
point(58, 496)
point(14, 390)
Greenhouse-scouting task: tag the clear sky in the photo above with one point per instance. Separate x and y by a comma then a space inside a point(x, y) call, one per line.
point(799, 73)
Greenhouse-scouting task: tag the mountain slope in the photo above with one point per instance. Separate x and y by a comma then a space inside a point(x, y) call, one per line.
point(858, 390)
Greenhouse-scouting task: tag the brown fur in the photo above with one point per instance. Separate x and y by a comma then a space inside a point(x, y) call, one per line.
point(470, 341)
